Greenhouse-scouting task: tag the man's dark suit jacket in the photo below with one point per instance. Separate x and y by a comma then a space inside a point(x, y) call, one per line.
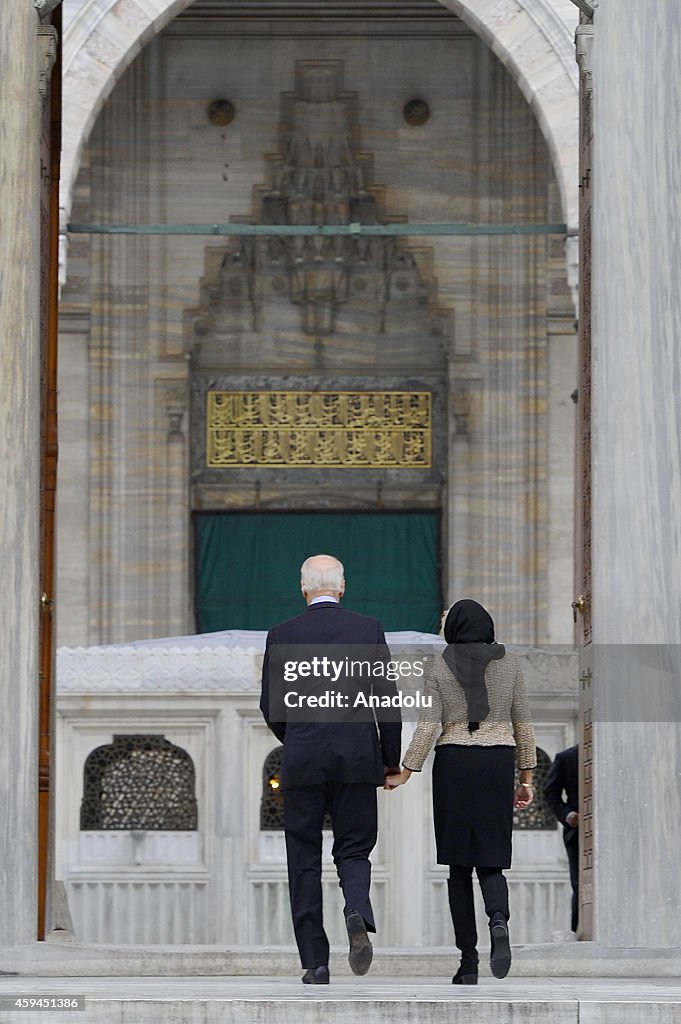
point(328, 750)
point(563, 777)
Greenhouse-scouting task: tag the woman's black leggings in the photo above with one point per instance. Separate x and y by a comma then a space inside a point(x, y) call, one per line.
point(494, 893)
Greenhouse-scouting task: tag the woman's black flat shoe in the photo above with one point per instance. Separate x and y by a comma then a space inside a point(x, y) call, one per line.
point(465, 976)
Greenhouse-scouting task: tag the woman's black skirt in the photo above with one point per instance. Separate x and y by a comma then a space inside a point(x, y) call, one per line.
point(473, 805)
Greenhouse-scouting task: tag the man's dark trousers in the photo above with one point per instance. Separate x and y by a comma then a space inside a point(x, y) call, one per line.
point(562, 795)
point(571, 840)
point(354, 815)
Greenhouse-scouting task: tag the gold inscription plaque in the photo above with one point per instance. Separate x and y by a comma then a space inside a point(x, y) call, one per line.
point(319, 429)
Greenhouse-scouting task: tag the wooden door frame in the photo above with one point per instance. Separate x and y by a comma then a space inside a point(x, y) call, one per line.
point(49, 295)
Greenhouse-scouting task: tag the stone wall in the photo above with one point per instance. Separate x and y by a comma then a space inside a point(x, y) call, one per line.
point(165, 886)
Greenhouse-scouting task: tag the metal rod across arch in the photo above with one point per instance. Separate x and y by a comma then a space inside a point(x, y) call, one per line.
point(379, 230)
point(586, 7)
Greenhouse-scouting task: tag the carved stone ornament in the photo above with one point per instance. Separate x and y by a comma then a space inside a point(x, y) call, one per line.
point(177, 667)
point(232, 661)
point(584, 40)
point(461, 406)
point(175, 402)
point(45, 7)
point(319, 178)
point(47, 45)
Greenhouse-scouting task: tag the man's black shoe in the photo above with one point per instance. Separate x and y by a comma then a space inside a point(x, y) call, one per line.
point(500, 953)
point(361, 951)
point(316, 976)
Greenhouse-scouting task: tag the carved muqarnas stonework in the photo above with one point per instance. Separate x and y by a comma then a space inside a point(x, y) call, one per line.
point(319, 428)
point(317, 178)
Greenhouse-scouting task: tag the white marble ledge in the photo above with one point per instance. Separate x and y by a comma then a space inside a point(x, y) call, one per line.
point(386, 989)
point(231, 660)
point(533, 965)
point(103, 669)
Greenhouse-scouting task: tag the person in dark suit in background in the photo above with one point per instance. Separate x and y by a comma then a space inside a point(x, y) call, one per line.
point(332, 763)
point(562, 795)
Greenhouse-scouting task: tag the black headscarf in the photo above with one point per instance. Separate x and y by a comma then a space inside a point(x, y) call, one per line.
point(469, 632)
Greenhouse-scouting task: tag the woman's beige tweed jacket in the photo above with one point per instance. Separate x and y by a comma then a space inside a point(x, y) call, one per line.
point(508, 724)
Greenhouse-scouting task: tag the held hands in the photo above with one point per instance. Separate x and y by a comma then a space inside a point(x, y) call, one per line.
point(395, 779)
point(522, 798)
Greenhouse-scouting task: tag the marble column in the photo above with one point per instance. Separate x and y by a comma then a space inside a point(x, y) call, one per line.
point(636, 433)
point(19, 467)
point(173, 500)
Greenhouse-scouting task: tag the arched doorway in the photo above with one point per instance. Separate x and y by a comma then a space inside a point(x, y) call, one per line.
point(497, 367)
point(158, 328)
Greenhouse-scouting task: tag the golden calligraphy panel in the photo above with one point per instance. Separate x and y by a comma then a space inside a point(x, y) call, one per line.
point(357, 429)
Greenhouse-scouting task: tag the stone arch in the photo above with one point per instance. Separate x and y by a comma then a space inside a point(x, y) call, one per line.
point(532, 38)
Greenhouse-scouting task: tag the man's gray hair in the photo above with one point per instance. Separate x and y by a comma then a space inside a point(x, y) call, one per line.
point(321, 572)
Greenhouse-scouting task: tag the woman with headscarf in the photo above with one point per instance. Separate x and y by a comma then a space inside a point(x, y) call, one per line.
point(480, 710)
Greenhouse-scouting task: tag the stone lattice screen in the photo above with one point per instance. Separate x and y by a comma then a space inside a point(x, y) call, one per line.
point(139, 782)
point(538, 815)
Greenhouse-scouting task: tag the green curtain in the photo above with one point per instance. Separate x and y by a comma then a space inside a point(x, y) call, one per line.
point(248, 566)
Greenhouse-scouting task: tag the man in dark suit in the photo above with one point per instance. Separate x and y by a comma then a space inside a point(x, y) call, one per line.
point(562, 795)
point(332, 761)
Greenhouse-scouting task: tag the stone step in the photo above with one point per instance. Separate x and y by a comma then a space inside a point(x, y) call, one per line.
point(397, 1000)
point(566, 960)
